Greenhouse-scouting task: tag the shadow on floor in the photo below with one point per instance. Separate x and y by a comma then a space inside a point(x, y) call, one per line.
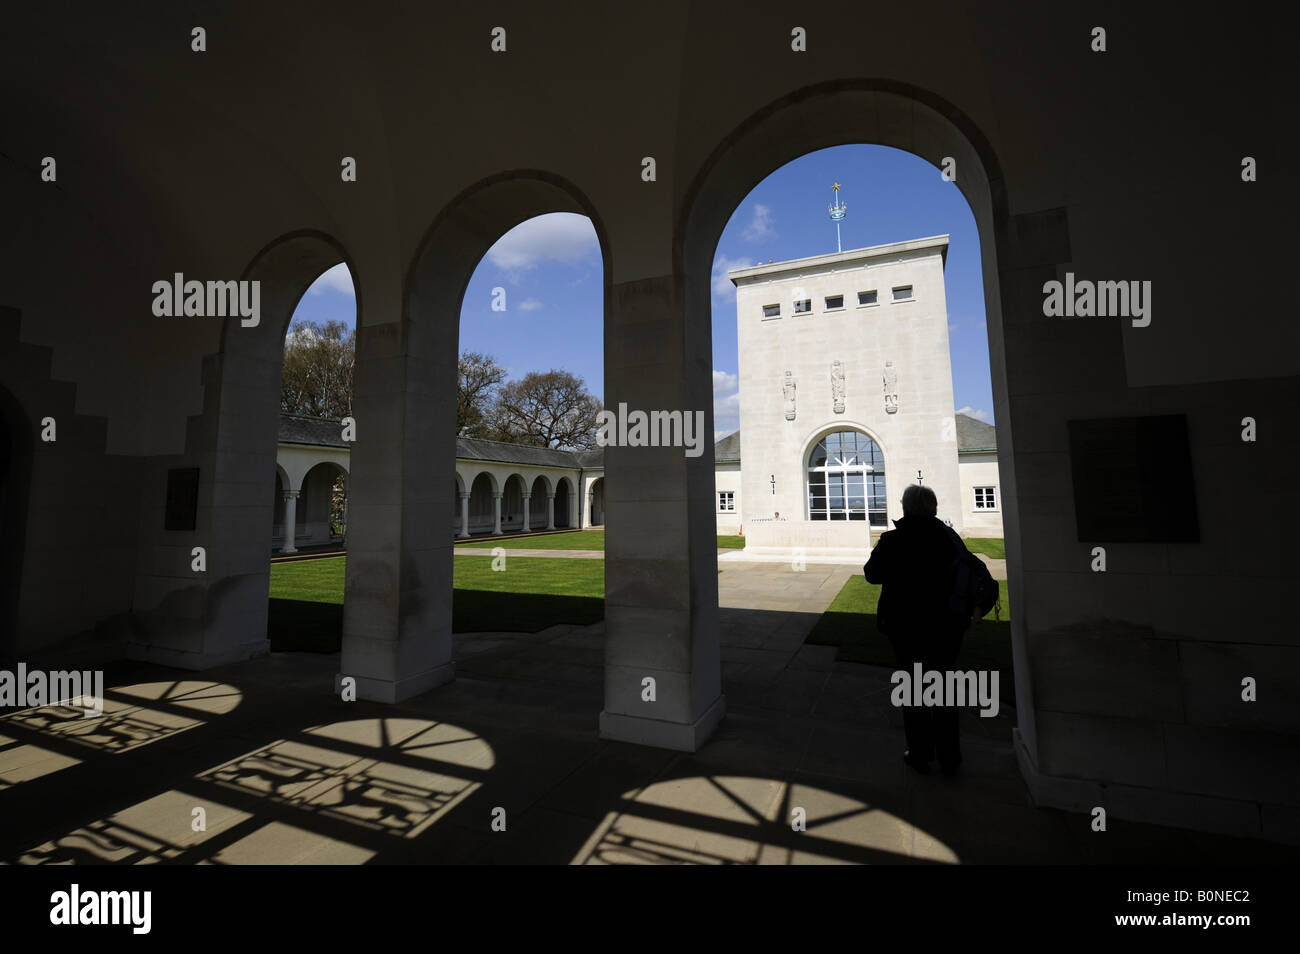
point(286, 772)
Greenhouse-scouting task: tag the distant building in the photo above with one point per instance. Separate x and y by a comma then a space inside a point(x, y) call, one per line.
point(846, 398)
point(500, 487)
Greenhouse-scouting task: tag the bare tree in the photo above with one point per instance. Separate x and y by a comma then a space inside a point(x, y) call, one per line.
point(319, 365)
point(480, 376)
point(546, 409)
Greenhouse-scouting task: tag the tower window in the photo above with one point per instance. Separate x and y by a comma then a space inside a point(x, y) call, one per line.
point(903, 293)
point(834, 302)
point(771, 311)
point(867, 298)
point(803, 307)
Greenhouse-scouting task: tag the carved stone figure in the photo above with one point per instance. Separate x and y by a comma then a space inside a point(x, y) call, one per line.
point(891, 388)
point(837, 387)
point(788, 389)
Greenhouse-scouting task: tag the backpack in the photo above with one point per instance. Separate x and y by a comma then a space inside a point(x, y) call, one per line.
point(974, 590)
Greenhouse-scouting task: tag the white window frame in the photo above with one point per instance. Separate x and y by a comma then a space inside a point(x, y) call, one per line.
point(766, 316)
point(830, 308)
point(721, 501)
point(794, 309)
point(894, 289)
point(975, 498)
point(869, 304)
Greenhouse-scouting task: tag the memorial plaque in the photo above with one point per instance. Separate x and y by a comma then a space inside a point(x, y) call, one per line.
point(182, 498)
point(1133, 480)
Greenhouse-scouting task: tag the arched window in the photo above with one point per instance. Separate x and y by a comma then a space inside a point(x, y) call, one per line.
point(846, 479)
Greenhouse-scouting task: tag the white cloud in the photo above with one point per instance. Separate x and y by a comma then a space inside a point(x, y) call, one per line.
point(563, 237)
point(337, 279)
point(759, 228)
point(726, 404)
point(979, 415)
point(530, 304)
point(722, 287)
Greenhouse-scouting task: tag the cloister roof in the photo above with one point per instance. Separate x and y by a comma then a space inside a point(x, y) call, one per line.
point(317, 431)
point(972, 436)
point(326, 432)
point(975, 435)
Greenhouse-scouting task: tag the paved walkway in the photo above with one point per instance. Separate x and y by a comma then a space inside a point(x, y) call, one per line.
point(997, 568)
point(288, 773)
point(522, 552)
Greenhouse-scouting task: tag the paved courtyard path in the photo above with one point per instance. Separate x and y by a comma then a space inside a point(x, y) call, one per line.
point(289, 773)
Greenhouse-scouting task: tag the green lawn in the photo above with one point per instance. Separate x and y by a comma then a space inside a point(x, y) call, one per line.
point(532, 593)
point(850, 623)
point(994, 547)
point(573, 540)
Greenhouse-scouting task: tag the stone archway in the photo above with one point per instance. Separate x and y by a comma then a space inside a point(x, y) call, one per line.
point(838, 113)
point(222, 616)
point(397, 629)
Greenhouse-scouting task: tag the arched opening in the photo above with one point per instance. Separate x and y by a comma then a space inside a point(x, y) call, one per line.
point(236, 463)
point(541, 513)
point(846, 478)
point(322, 506)
point(482, 505)
point(563, 496)
point(277, 519)
point(596, 507)
point(512, 504)
point(836, 114)
point(400, 646)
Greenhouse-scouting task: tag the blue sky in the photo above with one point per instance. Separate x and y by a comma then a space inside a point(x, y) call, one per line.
point(551, 271)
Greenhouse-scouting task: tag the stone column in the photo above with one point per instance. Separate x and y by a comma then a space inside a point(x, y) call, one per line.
point(496, 513)
point(661, 586)
point(464, 516)
point(290, 520)
point(550, 511)
point(527, 519)
point(575, 515)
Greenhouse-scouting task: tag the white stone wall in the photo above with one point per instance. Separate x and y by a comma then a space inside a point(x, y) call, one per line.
point(727, 477)
point(913, 334)
point(980, 470)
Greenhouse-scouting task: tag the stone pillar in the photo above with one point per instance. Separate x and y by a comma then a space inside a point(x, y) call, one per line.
point(397, 615)
point(290, 520)
point(575, 514)
point(550, 511)
point(496, 513)
point(661, 567)
point(464, 516)
point(527, 519)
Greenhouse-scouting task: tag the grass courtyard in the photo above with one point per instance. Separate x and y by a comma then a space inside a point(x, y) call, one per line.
point(590, 539)
point(306, 610)
point(306, 606)
point(850, 623)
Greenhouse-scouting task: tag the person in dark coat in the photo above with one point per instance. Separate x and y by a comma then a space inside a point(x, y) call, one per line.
point(914, 565)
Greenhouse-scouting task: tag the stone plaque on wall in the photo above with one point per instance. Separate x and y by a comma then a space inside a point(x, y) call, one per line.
point(1133, 480)
point(182, 499)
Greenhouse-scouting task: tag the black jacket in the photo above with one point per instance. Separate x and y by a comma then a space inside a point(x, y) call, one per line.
point(914, 565)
